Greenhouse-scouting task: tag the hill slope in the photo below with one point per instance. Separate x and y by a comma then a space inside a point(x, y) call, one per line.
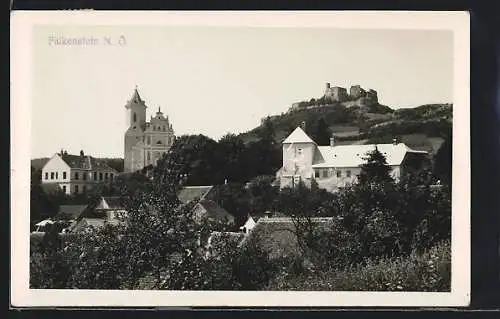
point(423, 127)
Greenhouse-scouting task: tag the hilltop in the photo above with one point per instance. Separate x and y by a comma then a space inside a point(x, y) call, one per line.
point(358, 118)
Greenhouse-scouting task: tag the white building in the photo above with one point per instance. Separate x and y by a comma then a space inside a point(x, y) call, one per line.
point(75, 174)
point(334, 166)
point(145, 142)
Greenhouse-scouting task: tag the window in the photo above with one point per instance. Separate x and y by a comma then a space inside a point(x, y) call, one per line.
point(325, 173)
point(111, 176)
point(316, 173)
point(149, 140)
point(95, 176)
point(348, 173)
point(76, 175)
point(84, 176)
point(46, 175)
point(299, 151)
point(51, 175)
point(149, 156)
point(76, 189)
point(64, 175)
point(105, 176)
point(84, 188)
point(57, 175)
point(100, 176)
point(135, 117)
point(339, 174)
point(64, 188)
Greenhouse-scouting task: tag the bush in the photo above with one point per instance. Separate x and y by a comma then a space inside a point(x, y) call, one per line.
point(430, 271)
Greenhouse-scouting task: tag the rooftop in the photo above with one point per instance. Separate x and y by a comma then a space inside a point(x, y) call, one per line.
point(85, 162)
point(298, 136)
point(278, 235)
point(72, 211)
point(355, 155)
point(189, 193)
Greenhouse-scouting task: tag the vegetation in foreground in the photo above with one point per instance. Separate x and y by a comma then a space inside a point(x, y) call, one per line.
point(385, 236)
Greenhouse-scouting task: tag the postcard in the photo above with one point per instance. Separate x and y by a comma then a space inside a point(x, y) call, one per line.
point(240, 159)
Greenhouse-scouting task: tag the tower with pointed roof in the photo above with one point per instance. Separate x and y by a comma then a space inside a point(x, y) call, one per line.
point(298, 157)
point(145, 142)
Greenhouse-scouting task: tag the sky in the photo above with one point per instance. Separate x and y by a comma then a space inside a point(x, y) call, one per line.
point(215, 80)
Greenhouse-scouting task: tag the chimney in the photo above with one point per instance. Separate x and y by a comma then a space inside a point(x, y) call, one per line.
point(303, 125)
point(332, 141)
point(394, 141)
point(267, 214)
point(327, 85)
point(81, 153)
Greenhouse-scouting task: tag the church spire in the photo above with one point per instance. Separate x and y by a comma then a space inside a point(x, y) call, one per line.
point(136, 97)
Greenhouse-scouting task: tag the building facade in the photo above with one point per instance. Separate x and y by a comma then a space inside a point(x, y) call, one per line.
point(145, 142)
point(336, 166)
point(75, 174)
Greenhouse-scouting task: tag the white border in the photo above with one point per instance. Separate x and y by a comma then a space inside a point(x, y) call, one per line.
point(22, 23)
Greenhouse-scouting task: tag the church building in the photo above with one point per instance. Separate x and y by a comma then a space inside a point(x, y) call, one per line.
point(145, 142)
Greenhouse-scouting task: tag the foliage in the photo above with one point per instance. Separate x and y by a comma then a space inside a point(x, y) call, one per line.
point(443, 161)
point(319, 132)
point(428, 271)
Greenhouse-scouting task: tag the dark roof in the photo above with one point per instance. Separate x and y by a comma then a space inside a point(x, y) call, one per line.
point(73, 211)
point(189, 193)
point(215, 211)
point(114, 202)
point(85, 162)
point(278, 236)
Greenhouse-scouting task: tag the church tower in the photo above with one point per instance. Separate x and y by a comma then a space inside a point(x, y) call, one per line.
point(136, 121)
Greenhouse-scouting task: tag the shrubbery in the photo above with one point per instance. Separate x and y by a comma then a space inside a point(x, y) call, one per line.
point(428, 271)
point(385, 236)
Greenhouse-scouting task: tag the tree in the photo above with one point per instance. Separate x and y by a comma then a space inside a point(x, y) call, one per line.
point(195, 156)
point(320, 132)
point(443, 161)
point(375, 170)
point(231, 151)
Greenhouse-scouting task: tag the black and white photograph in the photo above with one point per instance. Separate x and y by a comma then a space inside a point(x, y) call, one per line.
point(240, 159)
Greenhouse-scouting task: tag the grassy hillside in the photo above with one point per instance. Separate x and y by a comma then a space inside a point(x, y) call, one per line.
point(423, 127)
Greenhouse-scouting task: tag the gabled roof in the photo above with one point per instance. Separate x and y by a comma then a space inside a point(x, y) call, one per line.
point(354, 155)
point(278, 236)
point(113, 202)
point(72, 211)
point(298, 136)
point(85, 162)
point(215, 211)
point(190, 193)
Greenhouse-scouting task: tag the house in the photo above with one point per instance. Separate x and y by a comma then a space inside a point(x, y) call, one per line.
point(75, 174)
point(278, 235)
point(248, 226)
point(111, 207)
point(202, 196)
point(336, 166)
point(145, 142)
point(209, 209)
point(71, 212)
